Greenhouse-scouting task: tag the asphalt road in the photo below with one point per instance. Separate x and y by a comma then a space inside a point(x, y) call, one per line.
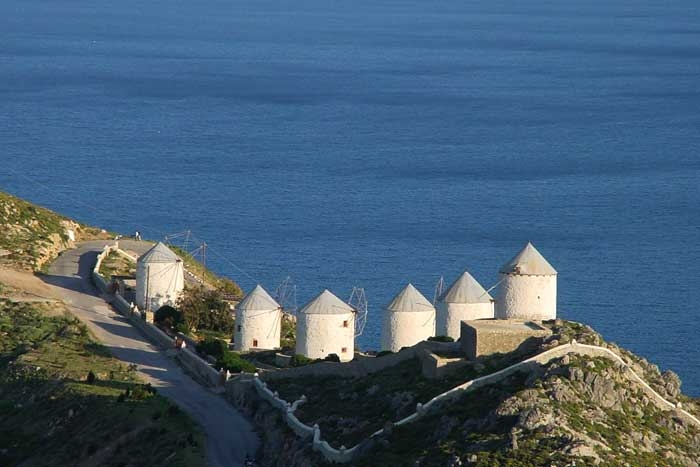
point(230, 436)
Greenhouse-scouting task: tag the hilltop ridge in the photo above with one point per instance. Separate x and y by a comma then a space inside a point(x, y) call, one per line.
point(574, 409)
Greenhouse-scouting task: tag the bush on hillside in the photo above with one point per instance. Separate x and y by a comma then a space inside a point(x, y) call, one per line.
point(441, 339)
point(203, 308)
point(168, 317)
point(211, 346)
point(233, 362)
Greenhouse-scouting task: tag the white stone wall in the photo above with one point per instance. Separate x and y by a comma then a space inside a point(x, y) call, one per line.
point(261, 325)
point(165, 283)
point(404, 329)
point(527, 297)
point(319, 335)
point(450, 316)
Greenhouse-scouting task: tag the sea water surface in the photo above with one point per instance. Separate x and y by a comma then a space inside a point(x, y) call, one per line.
point(373, 143)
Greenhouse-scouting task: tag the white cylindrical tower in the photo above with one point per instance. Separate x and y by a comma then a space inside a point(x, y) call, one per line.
point(528, 288)
point(258, 322)
point(464, 300)
point(408, 319)
point(326, 325)
point(159, 278)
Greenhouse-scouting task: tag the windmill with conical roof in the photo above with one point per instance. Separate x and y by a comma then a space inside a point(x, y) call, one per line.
point(464, 300)
point(326, 325)
point(528, 287)
point(408, 319)
point(258, 321)
point(159, 278)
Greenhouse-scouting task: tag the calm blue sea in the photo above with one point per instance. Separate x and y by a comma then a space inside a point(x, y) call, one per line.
point(371, 143)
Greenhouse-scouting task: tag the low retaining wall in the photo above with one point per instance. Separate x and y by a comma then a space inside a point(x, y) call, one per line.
point(344, 455)
point(361, 366)
point(152, 332)
point(126, 255)
point(435, 367)
point(97, 279)
point(192, 362)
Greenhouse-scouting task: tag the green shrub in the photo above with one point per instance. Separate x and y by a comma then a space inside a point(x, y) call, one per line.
point(168, 317)
point(384, 352)
point(300, 360)
point(441, 339)
point(211, 346)
point(233, 362)
point(332, 357)
point(139, 393)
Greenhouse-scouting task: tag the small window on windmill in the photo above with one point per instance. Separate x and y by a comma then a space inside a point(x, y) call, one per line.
point(239, 328)
point(255, 342)
point(344, 350)
point(345, 323)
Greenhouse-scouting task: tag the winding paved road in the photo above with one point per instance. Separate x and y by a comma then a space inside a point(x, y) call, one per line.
point(230, 437)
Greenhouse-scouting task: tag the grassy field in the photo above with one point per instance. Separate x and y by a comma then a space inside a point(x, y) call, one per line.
point(52, 412)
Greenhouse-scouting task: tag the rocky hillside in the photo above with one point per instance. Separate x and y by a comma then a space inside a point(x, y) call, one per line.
point(574, 410)
point(32, 236)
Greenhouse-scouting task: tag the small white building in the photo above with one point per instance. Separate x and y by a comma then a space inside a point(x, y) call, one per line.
point(408, 319)
point(258, 322)
point(159, 278)
point(464, 300)
point(326, 325)
point(528, 288)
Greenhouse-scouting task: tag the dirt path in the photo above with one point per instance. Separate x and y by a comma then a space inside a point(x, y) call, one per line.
point(230, 436)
